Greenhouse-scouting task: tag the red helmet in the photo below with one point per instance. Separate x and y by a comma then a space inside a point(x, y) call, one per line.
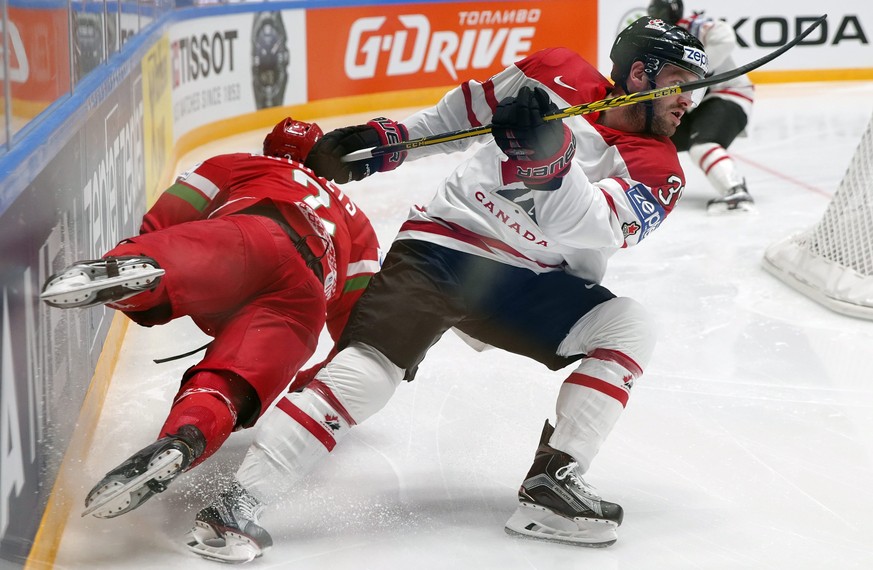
point(292, 139)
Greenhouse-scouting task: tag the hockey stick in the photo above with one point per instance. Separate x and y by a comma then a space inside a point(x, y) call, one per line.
point(594, 106)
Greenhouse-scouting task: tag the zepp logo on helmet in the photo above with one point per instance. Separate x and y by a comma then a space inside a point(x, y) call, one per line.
point(696, 57)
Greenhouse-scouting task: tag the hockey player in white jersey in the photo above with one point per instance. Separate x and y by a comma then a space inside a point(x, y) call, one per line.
point(723, 113)
point(511, 252)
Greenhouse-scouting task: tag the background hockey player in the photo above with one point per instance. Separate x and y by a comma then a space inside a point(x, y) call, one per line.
point(260, 253)
point(511, 251)
point(723, 113)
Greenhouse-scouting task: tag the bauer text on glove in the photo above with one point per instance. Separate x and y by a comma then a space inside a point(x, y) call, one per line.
point(325, 158)
point(539, 151)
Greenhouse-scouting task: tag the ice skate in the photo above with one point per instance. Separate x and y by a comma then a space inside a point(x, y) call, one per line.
point(557, 505)
point(145, 473)
point(737, 199)
point(89, 283)
point(228, 530)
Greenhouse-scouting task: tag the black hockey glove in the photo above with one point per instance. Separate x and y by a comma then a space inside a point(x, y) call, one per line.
point(325, 157)
point(539, 151)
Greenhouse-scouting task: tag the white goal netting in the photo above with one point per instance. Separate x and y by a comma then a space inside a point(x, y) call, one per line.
point(832, 262)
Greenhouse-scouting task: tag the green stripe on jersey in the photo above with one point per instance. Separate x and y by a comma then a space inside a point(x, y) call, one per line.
point(193, 197)
point(356, 283)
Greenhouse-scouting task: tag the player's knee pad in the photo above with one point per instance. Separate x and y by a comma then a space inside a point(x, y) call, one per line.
point(713, 159)
point(362, 379)
point(698, 150)
point(621, 325)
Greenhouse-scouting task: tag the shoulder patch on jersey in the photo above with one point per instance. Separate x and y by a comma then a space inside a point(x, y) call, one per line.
point(630, 229)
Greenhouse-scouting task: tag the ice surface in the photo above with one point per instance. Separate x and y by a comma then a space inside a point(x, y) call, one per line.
point(747, 444)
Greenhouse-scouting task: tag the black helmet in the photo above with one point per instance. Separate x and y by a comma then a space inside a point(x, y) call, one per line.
point(668, 10)
point(656, 43)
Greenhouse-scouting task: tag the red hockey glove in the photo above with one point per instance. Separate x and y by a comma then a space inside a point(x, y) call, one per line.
point(325, 157)
point(539, 151)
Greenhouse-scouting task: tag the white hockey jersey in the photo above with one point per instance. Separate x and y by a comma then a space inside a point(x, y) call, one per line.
point(719, 41)
point(620, 187)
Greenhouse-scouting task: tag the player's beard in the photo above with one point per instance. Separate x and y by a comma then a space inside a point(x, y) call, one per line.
point(662, 119)
point(662, 122)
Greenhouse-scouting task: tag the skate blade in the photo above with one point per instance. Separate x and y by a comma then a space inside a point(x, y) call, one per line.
point(227, 547)
point(104, 499)
point(537, 523)
point(62, 291)
point(723, 209)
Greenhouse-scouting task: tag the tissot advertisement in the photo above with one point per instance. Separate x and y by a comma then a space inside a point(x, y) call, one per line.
point(227, 66)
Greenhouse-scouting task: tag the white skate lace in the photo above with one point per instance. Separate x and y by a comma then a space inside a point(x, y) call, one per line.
point(569, 470)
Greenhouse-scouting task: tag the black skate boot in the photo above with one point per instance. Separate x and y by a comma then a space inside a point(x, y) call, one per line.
point(145, 473)
point(228, 529)
point(557, 505)
point(737, 199)
point(98, 281)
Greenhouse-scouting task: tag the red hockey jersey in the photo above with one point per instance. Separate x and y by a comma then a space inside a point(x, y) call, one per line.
point(227, 184)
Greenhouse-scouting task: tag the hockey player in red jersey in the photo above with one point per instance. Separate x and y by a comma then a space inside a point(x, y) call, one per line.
point(261, 254)
point(723, 113)
point(511, 252)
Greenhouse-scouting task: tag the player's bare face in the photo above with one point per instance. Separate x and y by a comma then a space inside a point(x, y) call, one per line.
point(668, 111)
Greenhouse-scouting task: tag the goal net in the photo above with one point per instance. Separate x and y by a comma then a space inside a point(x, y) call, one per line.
point(832, 262)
